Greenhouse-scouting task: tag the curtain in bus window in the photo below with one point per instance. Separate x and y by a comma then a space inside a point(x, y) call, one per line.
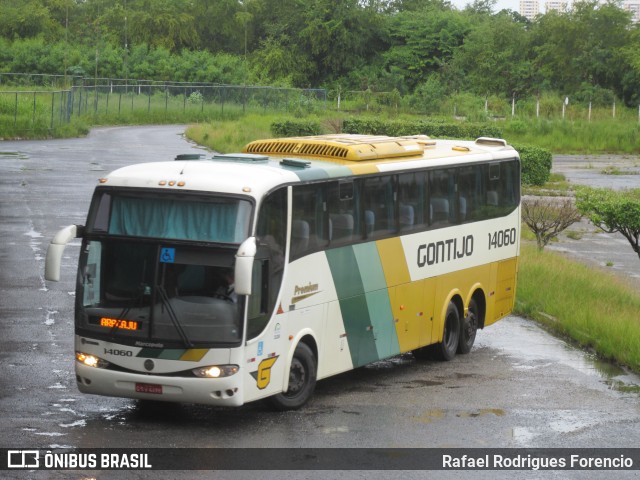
point(219, 221)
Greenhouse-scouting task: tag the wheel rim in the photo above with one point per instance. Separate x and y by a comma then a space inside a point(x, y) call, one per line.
point(471, 325)
point(297, 378)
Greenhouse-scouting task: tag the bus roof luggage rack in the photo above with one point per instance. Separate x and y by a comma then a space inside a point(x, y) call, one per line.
point(240, 157)
point(189, 156)
point(295, 162)
point(339, 147)
point(491, 142)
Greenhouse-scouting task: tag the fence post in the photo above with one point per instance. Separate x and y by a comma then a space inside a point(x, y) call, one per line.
point(15, 112)
point(53, 99)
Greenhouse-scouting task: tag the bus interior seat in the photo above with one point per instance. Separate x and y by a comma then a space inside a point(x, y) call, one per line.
point(492, 198)
point(462, 202)
point(369, 221)
point(341, 226)
point(299, 236)
point(407, 218)
point(439, 209)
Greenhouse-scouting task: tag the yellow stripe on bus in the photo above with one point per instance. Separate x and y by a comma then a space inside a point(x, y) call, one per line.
point(393, 261)
point(194, 354)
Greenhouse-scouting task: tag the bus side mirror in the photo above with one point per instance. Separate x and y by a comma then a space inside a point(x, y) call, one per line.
point(244, 266)
point(56, 248)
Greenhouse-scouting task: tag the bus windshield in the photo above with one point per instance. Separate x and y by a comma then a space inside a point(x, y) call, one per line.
point(147, 278)
point(216, 219)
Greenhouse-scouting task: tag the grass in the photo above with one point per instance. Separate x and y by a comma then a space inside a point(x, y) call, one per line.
point(578, 136)
point(226, 136)
point(557, 185)
point(590, 306)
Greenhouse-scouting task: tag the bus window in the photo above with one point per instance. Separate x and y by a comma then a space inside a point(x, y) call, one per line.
point(469, 192)
point(442, 197)
point(379, 206)
point(269, 263)
point(344, 221)
point(308, 226)
point(502, 188)
point(411, 198)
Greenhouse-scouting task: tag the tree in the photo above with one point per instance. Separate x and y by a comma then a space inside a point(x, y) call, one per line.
point(496, 57)
point(422, 42)
point(548, 216)
point(613, 211)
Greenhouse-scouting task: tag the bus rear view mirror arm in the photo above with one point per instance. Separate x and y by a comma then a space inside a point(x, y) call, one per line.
point(244, 266)
point(56, 249)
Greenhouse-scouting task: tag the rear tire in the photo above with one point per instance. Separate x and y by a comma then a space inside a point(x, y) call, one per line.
point(446, 350)
point(469, 328)
point(302, 380)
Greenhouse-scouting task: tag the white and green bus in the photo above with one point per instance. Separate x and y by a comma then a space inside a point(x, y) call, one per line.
point(245, 276)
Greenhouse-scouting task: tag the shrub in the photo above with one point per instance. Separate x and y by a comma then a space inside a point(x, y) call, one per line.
point(536, 164)
point(375, 126)
point(295, 128)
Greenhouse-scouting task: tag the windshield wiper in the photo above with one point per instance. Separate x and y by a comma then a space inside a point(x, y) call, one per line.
point(172, 315)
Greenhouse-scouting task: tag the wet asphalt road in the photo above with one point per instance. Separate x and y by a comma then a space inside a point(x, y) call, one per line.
point(520, 387)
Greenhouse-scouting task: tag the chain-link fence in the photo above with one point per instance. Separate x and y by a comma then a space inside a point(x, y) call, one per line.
point(104, 100)
point(33, 111)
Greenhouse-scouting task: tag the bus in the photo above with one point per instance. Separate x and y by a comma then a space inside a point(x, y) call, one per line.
point(249, 276)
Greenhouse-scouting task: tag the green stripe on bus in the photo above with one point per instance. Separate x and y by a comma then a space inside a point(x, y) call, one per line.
point(384, 329)
point(162, 353)
point(345, 272)
point(320, 173)
point(377, 295)
point(353, 305)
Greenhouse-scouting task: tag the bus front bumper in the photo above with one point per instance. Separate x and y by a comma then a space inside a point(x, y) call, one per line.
point(211, 391)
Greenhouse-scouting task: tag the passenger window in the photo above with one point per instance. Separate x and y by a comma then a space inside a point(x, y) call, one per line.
point(442, 197)
point(411, 197)
point(344, 220)
point(379, 206)
point(469, 192)
point(309, 230)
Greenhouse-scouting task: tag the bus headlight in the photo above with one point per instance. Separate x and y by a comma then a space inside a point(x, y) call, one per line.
point(215, 371)
point(91, 360)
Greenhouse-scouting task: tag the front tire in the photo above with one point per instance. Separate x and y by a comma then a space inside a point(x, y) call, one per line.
point(446, 350)
point(302, 380)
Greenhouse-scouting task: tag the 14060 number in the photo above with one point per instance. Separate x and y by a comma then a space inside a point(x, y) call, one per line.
point(502, 238)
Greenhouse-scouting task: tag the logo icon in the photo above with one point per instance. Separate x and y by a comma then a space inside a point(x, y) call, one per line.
point(23, 459)
point(263, 374)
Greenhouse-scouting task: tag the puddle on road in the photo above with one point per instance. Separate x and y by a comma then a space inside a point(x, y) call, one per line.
point(542, 349)
point(13, 155)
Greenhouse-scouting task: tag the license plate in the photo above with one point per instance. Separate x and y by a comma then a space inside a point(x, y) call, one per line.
point(148, 388)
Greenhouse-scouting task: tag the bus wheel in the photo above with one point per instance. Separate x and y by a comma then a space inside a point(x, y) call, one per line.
point(469, 328)
point(451, 335)
point(302, 380)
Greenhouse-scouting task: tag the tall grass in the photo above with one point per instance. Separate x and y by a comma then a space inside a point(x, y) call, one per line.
point(579, 136)
point(226, 136)
point(588, 305)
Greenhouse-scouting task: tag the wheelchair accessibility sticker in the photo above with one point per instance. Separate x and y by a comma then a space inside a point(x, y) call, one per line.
point(168, 255)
